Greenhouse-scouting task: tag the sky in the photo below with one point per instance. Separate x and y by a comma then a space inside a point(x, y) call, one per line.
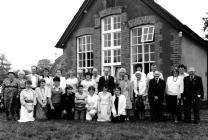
point(29, 29)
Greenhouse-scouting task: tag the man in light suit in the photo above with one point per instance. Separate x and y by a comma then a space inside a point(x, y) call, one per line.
point(106, 80)
point(118, 106)
point(193, 92)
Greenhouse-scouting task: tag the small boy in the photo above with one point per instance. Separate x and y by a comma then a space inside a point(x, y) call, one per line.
point(55, 100)
point(67, 102)
point(80, 102)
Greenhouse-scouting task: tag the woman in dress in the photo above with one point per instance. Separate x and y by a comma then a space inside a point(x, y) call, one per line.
point(174, 89)
point(104, 105)
point(22, 80)
point(41, 94)
point(91, 104)
point(28, 101)
point(62, 79)
point(72, 81)
point(126, 91)
point(87, 82)
point(118, 106)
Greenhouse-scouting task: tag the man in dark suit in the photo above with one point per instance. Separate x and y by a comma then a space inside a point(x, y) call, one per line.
point(156, 95)
point(193, 92)
point(108, 80)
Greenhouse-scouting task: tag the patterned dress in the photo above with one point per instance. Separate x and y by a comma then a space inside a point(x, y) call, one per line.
point(41, 95)
point(104, 106)
point(10, 90)
point(126, 91)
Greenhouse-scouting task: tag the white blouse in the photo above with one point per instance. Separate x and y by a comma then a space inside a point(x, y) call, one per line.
point(92, 101)
point(174, 85)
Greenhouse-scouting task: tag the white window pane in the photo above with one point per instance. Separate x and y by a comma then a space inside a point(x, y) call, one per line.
point(145, 30)
point(146, 57)
point(134, 33)
point(151, 30)
point(139, 49)
point(139, 58)
point(150, 37)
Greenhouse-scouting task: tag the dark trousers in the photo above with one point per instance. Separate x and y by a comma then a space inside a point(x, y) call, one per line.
point(180, 110)
point(156, 111)
point(69, 114)
point(11, 106)
point(188, 104)
point(172, 107)
point(56, 113)
point(120, 118)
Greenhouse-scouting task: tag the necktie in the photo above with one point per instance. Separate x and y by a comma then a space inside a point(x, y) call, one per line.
point(116, 104)
point(106, 78)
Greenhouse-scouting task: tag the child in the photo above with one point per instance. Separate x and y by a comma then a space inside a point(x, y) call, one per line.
point(67, 102)
point(91, 104)
point(55, 100)
point(79, 111)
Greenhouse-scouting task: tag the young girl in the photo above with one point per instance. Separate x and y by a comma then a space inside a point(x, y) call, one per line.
point(42, 94)
point(104, 105)
point(91, 104)
point(126, 91)
point(79, 111)
point(67, 103)
point(28, 101)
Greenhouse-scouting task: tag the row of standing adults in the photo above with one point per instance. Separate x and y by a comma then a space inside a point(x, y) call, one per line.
point(140, 91)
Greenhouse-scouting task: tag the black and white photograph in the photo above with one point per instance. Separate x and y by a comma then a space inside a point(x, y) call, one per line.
point(103, 69)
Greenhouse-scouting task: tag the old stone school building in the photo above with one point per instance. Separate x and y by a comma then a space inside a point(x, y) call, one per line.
point(123, 33)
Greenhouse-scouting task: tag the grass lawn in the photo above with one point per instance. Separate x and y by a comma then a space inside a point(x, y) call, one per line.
point(75, 130)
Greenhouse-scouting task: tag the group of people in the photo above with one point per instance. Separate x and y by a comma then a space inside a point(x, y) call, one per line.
point(103, 98)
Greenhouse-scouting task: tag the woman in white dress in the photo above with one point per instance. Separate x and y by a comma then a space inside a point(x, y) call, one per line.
point(72, 81)
point(88, 82)
point(91, 104)
point(104, 105)
point(28, 101)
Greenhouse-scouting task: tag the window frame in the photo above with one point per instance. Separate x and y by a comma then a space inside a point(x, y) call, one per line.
point(85, 51)
point(142, 43)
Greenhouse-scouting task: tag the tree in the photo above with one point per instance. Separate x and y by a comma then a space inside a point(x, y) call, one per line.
point(4, 67)
point(44, 63)
point(205, 28)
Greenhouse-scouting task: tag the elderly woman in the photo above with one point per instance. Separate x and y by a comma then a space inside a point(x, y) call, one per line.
point(139, 92)
point(174, 89)
point(10, 90)
point(28, 101)
point(72, 80)
point(118, 106)
point(91, 104)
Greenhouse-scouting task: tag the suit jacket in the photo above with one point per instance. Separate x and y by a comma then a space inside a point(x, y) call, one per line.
point(193, 87)
point(110, 83)
point(121, 105)
point(156, 89)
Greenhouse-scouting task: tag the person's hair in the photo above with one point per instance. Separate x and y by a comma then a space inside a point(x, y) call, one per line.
point(46, 69)
point(126, 74)
point(28, 82)
point(88, 73)
point(117, 87)
point(56, 79)
point(153, 64)
point(41, 81)
point(91, 88)
point(105, 86)
point(68, 87)
point(58, 70)
point(182, 66)
point(175, 70)
point(34, 67)
point(139, 65)
point(79, 86)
